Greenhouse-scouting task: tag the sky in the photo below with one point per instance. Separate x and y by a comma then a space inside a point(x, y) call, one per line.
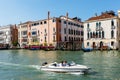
point(16, 11)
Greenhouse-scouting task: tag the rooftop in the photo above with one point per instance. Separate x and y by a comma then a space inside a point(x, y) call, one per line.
point(104, 15)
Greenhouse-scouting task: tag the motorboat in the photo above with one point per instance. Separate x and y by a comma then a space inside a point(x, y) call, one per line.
point(66, 68)
point(87, 49)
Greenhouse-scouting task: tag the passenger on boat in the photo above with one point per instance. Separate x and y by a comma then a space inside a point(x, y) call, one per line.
point(64, 63)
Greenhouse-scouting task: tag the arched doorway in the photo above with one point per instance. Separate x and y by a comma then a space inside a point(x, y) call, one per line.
point(101, 44)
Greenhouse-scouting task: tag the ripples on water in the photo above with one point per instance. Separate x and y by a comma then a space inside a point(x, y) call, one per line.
point(25, 65)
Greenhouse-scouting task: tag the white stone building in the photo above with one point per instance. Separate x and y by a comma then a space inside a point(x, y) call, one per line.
point(101, 32)
point(8, 35)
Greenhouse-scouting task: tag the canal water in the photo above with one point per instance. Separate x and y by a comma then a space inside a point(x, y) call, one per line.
point(24, 64)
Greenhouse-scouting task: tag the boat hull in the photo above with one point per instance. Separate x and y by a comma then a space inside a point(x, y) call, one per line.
point(65, 69)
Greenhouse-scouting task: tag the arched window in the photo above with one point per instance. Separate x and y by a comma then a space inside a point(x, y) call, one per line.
point(99, 34)
point(112, 43)
point(96, 34)
point(82, 33)
point(69, 31)
point(112, 23)
point(99, 24)
point(88, 25)
point(112, 34)
point(65, 38)
point(74, 32)
point(93, 34)
point(88, 35)
point(103, 34)
point(96, 25)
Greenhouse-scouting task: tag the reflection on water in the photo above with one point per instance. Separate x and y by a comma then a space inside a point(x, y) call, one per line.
point(24, 64)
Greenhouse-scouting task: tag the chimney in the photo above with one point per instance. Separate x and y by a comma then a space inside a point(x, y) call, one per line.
point(48, 15)
point(67, 14)
point(119, 13)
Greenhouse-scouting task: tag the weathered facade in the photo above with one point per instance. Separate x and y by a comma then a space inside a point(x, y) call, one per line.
point(101, 32)
point(60, 32)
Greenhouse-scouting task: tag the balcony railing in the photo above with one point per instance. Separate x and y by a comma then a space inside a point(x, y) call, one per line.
point(88, 29)
point(112, 27)
point(45, 34)
point(24, 35)
point(99, 29)
point(54, 33)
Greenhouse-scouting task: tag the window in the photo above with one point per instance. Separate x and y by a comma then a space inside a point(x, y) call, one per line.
point(65, 38)
point(112, 23)
point(64, 30)
point(112, 43)
point(88, 25)
point(34, 33)
point(53, 29)
point(96, 25)
point(69, 39)
point(45, 22)
point(99, 34)
point(88, 35)
point(69, 23)
point(64, 22)
point(24, 32)
point(74, 32)
point(103, 34)
point(82, 39)
point(53, 20)
point(82, 26)
point(99, 24)
point(96, 34)
point(112, 34)
point(45, 39)
point(41, 23)
point(45, 30)
point(69, 31)
point(82, 33)
point(53, 38)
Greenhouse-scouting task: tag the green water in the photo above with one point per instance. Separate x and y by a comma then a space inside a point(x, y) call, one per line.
point(24, 65)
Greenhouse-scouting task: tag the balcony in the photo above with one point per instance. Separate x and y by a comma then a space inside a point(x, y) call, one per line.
point(112, 27)
point(54, 33)
point(24, 35)
point(88, 29)
point(45, 34)
point(99, 29)
point(34, 35)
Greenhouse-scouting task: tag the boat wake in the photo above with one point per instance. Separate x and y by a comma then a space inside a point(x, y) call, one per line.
point(13, 66)
point(8, 65)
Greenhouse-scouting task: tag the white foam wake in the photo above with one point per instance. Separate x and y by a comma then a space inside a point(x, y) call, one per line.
point(20, 65)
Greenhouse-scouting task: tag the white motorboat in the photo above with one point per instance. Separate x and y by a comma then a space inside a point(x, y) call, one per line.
point(66, 68)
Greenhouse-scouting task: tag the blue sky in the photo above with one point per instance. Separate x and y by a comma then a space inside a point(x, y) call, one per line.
point(16, 11)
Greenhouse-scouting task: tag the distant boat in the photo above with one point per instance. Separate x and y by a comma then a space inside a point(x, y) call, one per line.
point(34, 48)
point(86, 49)
point(4, 48)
